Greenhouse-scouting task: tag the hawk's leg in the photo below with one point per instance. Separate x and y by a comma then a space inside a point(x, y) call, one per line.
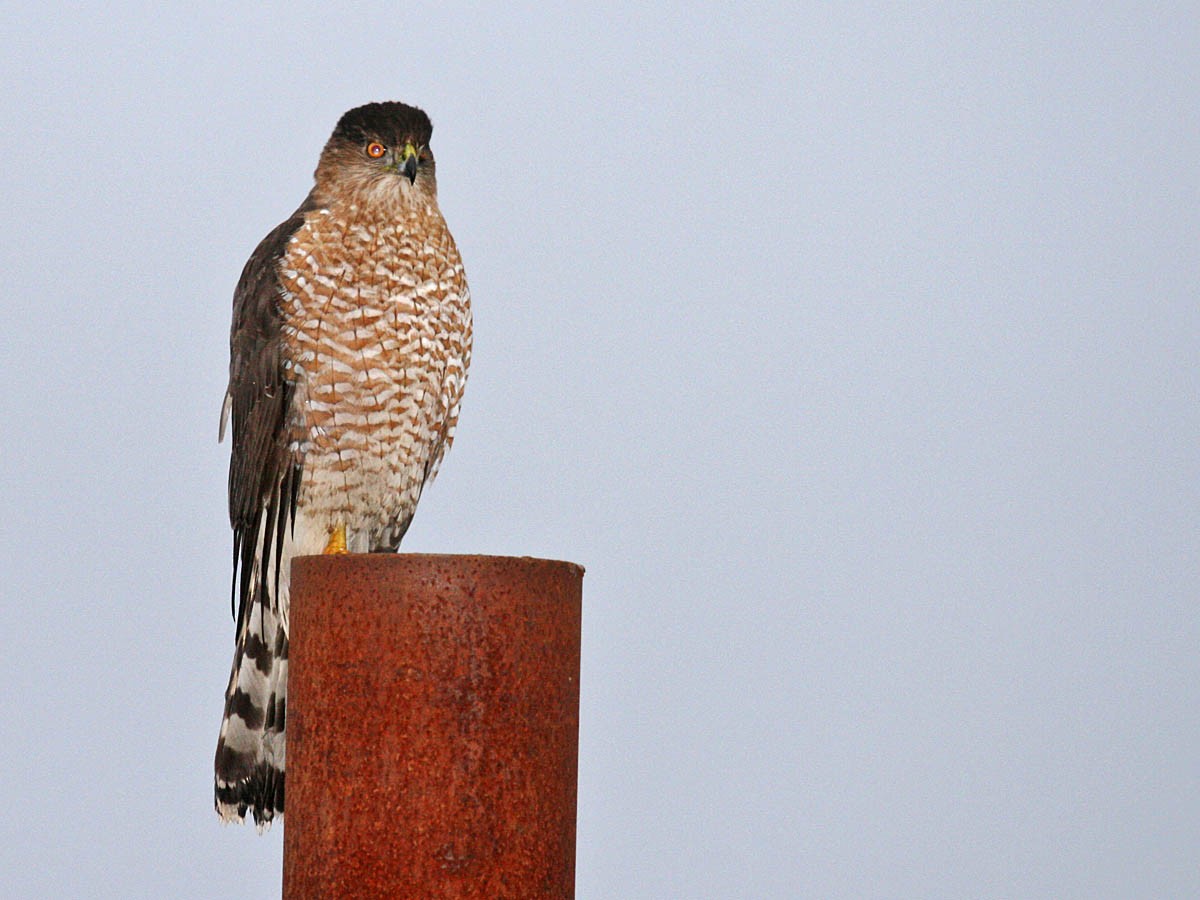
point(337, 541)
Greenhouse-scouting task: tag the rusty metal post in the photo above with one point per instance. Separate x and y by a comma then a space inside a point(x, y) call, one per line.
point(432, 727)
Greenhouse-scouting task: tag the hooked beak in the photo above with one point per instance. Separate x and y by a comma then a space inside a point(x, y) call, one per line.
point(407, 163)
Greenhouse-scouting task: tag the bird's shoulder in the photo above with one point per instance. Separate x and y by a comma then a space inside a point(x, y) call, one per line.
point(257, 292)
point(255, 366)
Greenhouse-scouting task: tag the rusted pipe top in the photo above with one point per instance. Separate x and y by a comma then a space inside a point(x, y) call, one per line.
point(432, 721)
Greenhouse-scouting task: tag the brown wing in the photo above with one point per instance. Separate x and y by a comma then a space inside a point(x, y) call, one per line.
point(265, 465)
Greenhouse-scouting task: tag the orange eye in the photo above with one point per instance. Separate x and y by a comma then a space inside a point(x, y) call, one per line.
point(375, 150)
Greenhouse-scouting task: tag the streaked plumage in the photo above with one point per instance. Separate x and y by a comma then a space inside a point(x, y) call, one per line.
point(349, 351)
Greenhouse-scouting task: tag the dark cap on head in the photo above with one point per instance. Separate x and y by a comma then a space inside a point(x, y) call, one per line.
point(392, 123)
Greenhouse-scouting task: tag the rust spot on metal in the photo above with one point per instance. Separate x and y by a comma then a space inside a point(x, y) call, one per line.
point(433, 727)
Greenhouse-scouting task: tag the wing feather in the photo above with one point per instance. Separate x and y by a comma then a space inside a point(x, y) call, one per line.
point(265, 465)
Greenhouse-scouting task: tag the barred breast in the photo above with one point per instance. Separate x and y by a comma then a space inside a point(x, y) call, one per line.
point(377, 337)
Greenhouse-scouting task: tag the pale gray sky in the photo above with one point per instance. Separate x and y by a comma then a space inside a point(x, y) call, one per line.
point(852, 349)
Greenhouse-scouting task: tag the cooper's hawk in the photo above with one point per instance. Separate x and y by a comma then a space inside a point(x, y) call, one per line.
point(348, 355)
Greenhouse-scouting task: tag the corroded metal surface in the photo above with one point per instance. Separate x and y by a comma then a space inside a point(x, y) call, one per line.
point(433, 714)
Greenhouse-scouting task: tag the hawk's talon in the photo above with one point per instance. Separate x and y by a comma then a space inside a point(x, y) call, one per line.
point(337, 542)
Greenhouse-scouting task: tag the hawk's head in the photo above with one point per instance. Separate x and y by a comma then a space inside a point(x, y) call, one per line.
point(379, 150)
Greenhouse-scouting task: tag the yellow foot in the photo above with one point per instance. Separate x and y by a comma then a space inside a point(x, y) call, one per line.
point(337, 541)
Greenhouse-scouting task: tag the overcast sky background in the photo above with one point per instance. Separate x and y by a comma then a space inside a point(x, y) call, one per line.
point(853, 350)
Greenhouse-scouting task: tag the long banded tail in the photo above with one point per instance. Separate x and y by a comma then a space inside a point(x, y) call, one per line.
point(249, 767)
